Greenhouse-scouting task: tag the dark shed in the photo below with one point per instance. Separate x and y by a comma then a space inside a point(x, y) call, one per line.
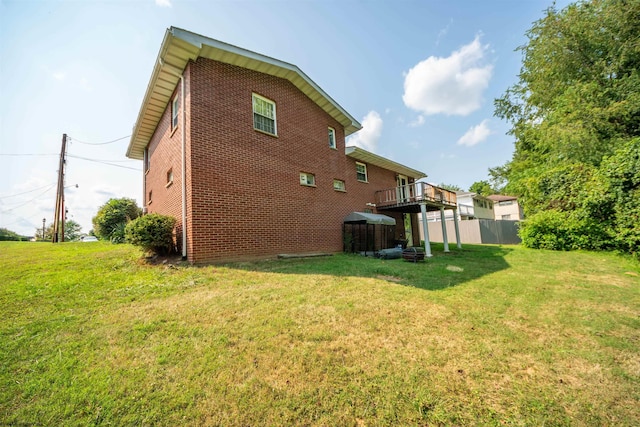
point(368, 232)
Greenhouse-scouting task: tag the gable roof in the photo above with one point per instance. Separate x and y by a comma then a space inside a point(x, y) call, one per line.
point(368, 157)
point(179, 46)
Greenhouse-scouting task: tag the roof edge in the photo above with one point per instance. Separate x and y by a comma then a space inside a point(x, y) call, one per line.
point(190, 45)
point(377, 160)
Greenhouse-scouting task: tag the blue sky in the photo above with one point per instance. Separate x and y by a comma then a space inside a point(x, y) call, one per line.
point(420, 76)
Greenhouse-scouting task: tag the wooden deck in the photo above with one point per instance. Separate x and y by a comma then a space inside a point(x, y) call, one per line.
point(409, 198)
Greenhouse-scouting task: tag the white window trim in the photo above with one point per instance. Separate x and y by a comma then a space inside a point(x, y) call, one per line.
point(304, 179)
point(366, 173)
point(275, 119)
point(332, 131)
point(169, 178)
point(175, 112)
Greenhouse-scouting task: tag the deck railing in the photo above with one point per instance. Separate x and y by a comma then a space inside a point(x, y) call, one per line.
point(415, 193)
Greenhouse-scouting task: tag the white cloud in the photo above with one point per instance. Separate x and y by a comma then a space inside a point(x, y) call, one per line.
point(419, 121)
point(475, 134)
point(163, 3)
point(59, 75)
point(369, 135)
point(451, 85)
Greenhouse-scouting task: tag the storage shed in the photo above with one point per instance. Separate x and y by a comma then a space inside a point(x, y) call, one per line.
point(368, 233)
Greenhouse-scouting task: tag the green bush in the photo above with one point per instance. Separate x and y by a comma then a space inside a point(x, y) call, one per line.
point(153, 232)
point(109, 222)
point(564, 231)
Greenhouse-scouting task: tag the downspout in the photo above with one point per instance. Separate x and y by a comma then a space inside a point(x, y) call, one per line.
point(184, 155)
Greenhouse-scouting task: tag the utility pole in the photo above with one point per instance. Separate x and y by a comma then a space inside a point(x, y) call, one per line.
point(44, 220)
point(59, 214)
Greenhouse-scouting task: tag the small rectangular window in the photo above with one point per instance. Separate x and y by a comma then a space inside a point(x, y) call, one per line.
point(338, 185)
point(332, 138)
point(174, 113)
point(361, 172)
point(264, 115)
point(147, 163)
point(506, 216)
point(169, 177)
point(505, 203)
point(307, 179)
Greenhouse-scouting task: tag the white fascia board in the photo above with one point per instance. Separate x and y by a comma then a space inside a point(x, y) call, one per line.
point(179, 46)
point(365, 156)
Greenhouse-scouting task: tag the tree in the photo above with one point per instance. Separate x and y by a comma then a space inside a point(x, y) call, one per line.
point(112, 217)
point(482, 187)
point(72, 231)
point(575, 107)
point(450, 187)
point(6, 234)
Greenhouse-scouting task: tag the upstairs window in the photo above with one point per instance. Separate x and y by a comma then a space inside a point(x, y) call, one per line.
point(147, 163)
point(361, 172)
point(332, 138)
point(175, 107)
point(307, 179)
point(264, 115)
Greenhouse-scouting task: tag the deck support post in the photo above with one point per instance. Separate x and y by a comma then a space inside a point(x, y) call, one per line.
point(445, 239)
point(455, 224)
point(425, 229)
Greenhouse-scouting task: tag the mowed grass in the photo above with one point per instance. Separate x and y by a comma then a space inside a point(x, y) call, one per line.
point(486, 335)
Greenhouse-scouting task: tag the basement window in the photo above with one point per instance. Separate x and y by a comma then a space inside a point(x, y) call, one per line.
point(307, 179)
point(264, 115)
point(338, 185)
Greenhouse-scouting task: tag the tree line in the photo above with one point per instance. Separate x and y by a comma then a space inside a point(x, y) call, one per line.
point(575, 119)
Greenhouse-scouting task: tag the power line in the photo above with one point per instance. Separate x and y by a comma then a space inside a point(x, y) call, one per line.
point(29, 201)
point(27, 154)
point(102, 161)
point(98, 143)
point(20, 194)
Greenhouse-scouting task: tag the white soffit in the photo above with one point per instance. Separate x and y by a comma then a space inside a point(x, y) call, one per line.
point(365, 156)
point(179, 46)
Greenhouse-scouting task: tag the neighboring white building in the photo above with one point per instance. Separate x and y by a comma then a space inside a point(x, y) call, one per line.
point(470, 206)
point(506, 208)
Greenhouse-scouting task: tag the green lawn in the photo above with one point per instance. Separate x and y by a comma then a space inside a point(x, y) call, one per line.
point(486, 335)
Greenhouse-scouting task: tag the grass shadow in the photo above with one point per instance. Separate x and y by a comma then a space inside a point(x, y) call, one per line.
point(441, 271)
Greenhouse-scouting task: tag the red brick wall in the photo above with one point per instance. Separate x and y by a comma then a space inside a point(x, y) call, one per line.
point(243, 186)
point(164, 152)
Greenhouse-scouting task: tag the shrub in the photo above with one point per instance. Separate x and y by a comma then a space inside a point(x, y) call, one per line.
point(109, 222)
point(564, 231)
point(153, 232)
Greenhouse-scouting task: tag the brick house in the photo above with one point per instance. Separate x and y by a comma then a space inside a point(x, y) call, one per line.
point(248, 153)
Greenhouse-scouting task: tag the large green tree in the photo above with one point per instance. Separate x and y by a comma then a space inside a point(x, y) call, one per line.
point(112, 217)
point(576, 107)
point(482, 187)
